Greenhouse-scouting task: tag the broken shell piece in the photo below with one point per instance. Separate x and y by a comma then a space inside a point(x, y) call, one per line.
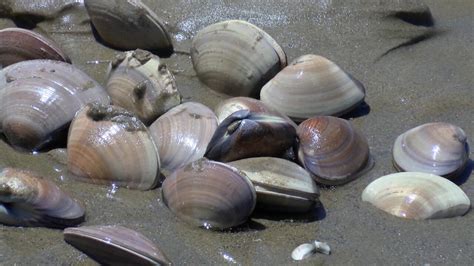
point(418, 196)
point(305, 250)
point(140, 83)
point(115, 245)
point(28, 200)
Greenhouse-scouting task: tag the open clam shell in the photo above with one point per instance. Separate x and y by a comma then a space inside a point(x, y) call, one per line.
point(39, 98)
point(109, 145)
point(436, 148)
point(415, 195)
point(115, 245)
point(29, 200)
point(333, 150)
point(18, 45)
point(209, 194)
point(247, 134)
point(235, 57)
point(128, 25)
point(139, 82)
point(312, 85)
point(281, 185)
point(183, 133)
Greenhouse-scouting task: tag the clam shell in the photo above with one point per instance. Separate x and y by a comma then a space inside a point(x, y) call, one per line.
point(115, 245)
point(18, 45)
point(183, 133)
point(415, 195)
point(28, 200)
point(436, 148)
point(140, 83)
point(281, 185)
point(235, 57)
point(109, 145)
point(209, 194)
point(39, 98)
point(332, 150)
point(128, 25)
point(310, 86)
point(246, 134)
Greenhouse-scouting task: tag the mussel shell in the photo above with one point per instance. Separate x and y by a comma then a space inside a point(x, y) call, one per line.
point(415, 195)
point(235, 57)
point(18, 45)
point(39, 98)
point(115, 245)
point(27, 199)
point(310, 86)
point(333, 150)
point(128, 25)
point(436, 148)
point(246, 134)
point(109, 145)
point(281, 185)
point(209, 194)
point(183, 133)
point(139, 82)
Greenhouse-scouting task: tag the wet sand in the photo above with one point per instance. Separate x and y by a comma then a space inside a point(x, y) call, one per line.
point(422, 81)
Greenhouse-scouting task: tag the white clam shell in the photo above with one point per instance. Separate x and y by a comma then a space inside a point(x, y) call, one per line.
point(312, 85)
point(183, 133)
point(436, 148)
point(415, 195)
point(235, 57)
point(305, 250)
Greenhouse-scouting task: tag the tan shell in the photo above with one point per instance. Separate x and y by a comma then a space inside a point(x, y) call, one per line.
point(436, 148)
point(209, 194)
point(332, 150)
point(39, 99)
point(128, 25)
point(415, 195)
point(115, 245)
point(29, 200)
point(281, 185)
point(18, 45)
point(183, 133)
point(235, 57)
point(109, 145)
point(140, 83)
point(310, 86)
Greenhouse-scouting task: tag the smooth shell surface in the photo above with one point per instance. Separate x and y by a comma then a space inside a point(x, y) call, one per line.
point(436, 148)
point(312, 85)
point(333, 150)
point(209, 194)
point(18, 45)
point(305, 250)
point(139, 82)
point(109, 145)
point(29, 200)
point(39, 98)
point(281, 185)
point(246, 134)
point(415, 195)
point(235, 57)
point(183, 133)
point(115, 245)
point(128, 24)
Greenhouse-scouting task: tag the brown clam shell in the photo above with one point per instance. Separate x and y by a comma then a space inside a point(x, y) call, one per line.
point(26, 199)
point(109, 145)
point(333, 150)
point(209, 194)
point(18, 45)
point(115, 245)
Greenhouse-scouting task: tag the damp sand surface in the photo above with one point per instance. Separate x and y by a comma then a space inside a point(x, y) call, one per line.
point(410, 80)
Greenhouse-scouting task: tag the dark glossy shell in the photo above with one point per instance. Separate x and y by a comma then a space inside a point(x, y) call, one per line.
point(29, 200)
point(246, 134)
point(209, 194)
point(115, 245)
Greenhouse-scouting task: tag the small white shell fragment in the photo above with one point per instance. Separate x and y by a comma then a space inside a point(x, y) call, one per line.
point(322, 247)
point(305, 250)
